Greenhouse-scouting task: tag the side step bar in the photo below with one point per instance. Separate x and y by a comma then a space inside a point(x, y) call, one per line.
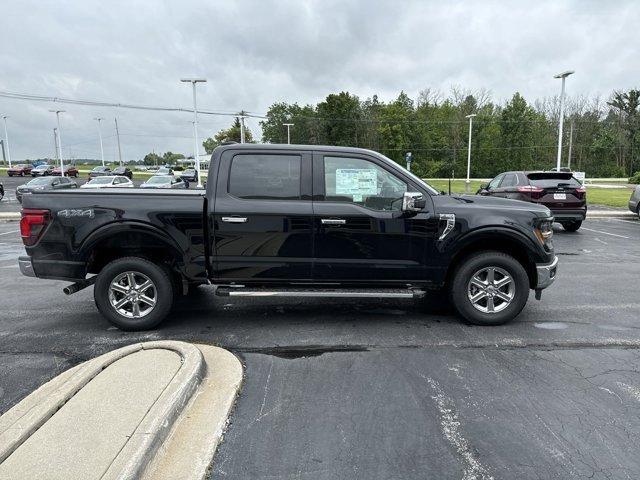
point(319, 293)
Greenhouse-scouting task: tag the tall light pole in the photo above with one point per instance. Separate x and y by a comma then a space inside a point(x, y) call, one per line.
point(58, 112)
point(6, 140)
point(118, 138)
point(288, 125)
point(563, 76)
point(468, 182)
point(196, 157)
point(99, 119)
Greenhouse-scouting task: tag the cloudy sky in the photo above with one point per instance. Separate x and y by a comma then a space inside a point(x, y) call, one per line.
point(256, 52)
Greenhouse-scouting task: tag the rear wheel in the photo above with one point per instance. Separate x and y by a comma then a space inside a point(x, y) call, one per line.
point(489, 288)
point(133, 293)
point(572, 226)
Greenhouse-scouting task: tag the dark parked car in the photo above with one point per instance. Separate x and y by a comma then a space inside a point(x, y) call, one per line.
point(44, 183)
point(634, 201)
point(69, 171)
point(100, 172)
point(565, 196)
point(190, 175)
point(291, 221)
point(124, 171)
point(19, 170)
point(41, 170)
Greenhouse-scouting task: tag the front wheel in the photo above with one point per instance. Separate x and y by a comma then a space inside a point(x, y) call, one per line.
point(489, 288)
point(133, 293)
point(572, 226)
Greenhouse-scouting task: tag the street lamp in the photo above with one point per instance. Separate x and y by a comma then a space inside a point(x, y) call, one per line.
point(468, 182)
point(196, 157)
point(99, 119)
point(6, 140)
point(288, 125)
point(563, 76)
point(58, 112)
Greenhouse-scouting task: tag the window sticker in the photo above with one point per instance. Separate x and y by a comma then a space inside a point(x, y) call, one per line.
point(357, 182)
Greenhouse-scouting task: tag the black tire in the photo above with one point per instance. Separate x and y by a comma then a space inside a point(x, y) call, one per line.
point(467, 269)
point(572, 226)
point(163, 288)
point(22, 174)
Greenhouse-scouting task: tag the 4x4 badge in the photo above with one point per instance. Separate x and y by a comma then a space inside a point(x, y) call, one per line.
point(73, 212)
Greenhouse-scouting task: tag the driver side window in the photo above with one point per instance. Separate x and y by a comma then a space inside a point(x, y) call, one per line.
point(493, 184)
point(354, 180)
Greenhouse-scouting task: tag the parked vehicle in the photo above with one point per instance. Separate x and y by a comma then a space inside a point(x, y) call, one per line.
point(286, 220)
point(164, 171)
point(19, 170)
point(44, 183)
point(164, 181)
point(190, 175)
point(69, 171)
point(42, 170)
point(634, 201)
point(99, 172)
point(125, 171)
point(565, 196)
point(117, 181)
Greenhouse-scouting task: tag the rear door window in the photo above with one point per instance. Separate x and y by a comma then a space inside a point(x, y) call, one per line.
point(265, 177)
point(509, 180)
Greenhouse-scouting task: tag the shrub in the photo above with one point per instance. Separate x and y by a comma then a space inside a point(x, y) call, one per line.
point(635, 178)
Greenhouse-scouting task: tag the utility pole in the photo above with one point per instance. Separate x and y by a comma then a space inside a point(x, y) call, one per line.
point(55, 144)
point(563, 76)
point(468, 182)
point(6, 140)
point(58, 112)
point(241, 118)
point(118, 137)
point(196, 146)
point(288, 125)
point(4, 156)
point(99, 119)
point(570, 143)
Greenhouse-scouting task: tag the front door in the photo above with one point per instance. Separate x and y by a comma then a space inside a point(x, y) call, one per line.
point(361, 235)
point(262, 217)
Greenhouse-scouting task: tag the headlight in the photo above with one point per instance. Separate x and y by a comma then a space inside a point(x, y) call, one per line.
point(544, 231)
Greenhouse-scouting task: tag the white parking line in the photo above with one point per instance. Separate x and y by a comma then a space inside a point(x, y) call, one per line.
point(7, 233)
point(605, 233)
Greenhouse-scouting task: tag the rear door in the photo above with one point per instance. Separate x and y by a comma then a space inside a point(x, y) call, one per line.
point(361, 235)
point(261, 224)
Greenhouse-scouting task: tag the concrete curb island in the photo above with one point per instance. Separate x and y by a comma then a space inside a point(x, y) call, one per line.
point(110, 417)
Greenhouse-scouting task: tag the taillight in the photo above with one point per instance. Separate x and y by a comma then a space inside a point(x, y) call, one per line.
point(530, 189)
point(32, 224)
point(582, 189)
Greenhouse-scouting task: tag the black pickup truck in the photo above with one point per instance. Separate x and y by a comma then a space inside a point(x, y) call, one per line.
point(300, 221)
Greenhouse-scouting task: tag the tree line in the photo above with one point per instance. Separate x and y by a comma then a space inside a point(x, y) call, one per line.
point(601, 137)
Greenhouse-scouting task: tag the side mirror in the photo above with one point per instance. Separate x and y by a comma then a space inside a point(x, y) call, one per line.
point(484, 188)
point(413, 202)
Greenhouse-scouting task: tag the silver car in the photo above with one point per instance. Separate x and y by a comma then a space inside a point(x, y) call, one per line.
point(164, 181)
point(114, 181)
point(634, 201)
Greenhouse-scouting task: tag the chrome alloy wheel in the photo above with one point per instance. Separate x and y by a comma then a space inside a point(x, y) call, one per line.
point(132, 294)
point(491, 290)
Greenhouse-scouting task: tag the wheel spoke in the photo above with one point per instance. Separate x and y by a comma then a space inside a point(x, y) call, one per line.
point(503, 296)
point(478, 296)
point(121, 303)
point(131, 279)
point(491, 275)
point(119, 288)
point(144, 286)
point(502, 282)
point(478, 283)
point(136, 308)
point(148, 300)
point(490, 305)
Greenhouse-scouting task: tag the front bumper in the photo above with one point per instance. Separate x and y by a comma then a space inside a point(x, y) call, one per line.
point(546, 274)
point(26, 267)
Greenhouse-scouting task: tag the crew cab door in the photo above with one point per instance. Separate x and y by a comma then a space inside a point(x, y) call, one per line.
point(361, 234)
point(261, 220)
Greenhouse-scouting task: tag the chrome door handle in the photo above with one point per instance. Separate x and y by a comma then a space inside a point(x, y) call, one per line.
point(333, 221)
point(234, 219)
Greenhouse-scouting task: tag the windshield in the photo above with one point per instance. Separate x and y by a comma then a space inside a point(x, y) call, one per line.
point(99, 169)
point(101, 181)
point(158, 180)
point(39, 181)
point(164, 170)
point(416, 179)
point(41, 167)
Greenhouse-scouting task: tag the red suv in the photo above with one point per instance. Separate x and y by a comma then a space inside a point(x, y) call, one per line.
point(565, 196)
point(69, 171)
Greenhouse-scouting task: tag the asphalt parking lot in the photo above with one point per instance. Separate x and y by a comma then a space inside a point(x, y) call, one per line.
point(390, 389)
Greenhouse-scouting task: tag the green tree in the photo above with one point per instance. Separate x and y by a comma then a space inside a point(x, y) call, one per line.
point(231, 134)
point(338, 117)
point(152, 159)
